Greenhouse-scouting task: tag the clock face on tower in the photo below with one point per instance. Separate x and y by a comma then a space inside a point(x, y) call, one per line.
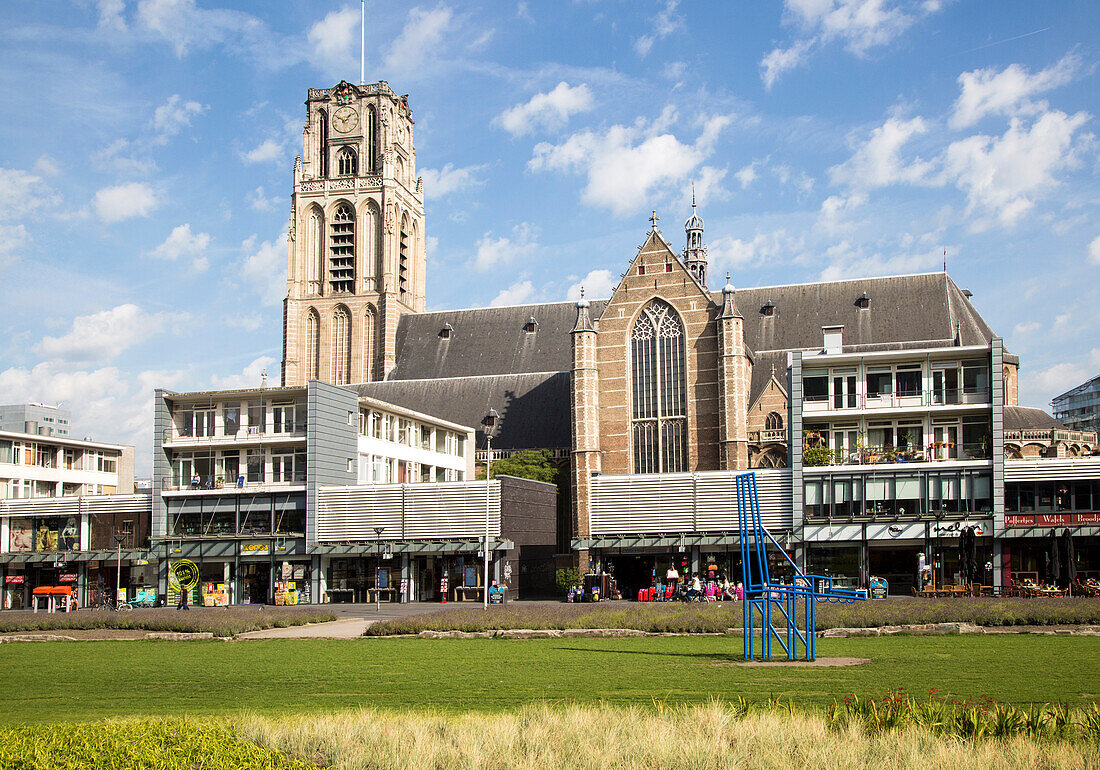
point(345, 119)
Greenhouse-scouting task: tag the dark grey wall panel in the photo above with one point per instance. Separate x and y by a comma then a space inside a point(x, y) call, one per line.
point(332, 443)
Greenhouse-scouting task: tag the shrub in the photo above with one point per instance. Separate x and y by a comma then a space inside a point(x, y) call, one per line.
point(564, 579)
point(221, 621)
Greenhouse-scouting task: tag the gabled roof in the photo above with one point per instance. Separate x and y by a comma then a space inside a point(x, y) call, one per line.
point(534, 407)
point(487, 341)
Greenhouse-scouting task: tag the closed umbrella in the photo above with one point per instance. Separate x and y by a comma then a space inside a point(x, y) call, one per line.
point(1055, 558)
point(1070, 569)
point(972, 553)
point(962, 556)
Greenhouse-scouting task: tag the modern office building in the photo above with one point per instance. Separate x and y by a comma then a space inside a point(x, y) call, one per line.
point(1079, 408)
point(41, 419)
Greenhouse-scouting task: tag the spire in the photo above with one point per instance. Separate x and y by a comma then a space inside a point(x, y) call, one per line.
point(729, 304)
point(695, 252)
point(363, 42)
point(584, 321)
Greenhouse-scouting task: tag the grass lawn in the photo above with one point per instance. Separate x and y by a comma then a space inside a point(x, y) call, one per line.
point(91, 680)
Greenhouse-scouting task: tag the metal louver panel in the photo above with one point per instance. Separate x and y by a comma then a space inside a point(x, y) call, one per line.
point(71, 506)
point(684, 502)
point(1063, 469)
point(407, 511)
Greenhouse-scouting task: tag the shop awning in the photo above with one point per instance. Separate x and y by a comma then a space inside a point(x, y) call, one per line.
point(39, 557)
point(656, 541)
point(410, 547)
point(1036, 532)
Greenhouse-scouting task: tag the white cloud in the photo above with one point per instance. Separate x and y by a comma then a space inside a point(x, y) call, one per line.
point(1026, 327)
point(878, 162)
point(265, 267)
point(747, 175)
point(123, 158)
point(250, 377)
point(421, 37)
point(333, 39)
point(23, 194)
point(171, 117)
point(664, 24)
point(441, 183)
point(1002, 176)
point(1008, 91)
point(124, 201)
point(258, 200)
point(249, 323)
point(181, 242)
point(500, 251)
point(847, 261)
point(12, 238)
point(104, 335)
point(1094, 251)
point(707, 187)
point(516, 294)
point(547, 110)
point(47, 166)
point(597, 284)
point(183, 25)
point(782, 60)
point(833, 217)
point(110, 14)
point(732, 254)
point(624, 163)
point(860, 24)
point(265, 152)
point(1055, 379)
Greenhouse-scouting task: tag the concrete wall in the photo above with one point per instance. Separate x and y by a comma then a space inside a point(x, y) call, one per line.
point(332, 443)
point(528, 511)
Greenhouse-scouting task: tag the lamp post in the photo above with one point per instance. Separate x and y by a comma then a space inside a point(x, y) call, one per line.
point(377, 567)
point(118, 565)
point(489, 425)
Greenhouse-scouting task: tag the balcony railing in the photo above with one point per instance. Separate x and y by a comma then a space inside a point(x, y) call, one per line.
point(298, 430)
point(1048, 435)
point(950, 397)
point(201, 483)
point(880, 455)
point(776, 436)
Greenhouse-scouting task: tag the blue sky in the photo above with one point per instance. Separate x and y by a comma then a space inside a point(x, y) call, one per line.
point(148, 148)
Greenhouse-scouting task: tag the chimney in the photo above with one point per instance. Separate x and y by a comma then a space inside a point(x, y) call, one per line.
point(833, 339)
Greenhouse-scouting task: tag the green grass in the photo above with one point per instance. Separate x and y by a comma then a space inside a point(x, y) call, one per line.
point(91, 680)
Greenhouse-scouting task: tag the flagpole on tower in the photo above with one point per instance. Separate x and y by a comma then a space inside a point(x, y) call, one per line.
point(363, 42)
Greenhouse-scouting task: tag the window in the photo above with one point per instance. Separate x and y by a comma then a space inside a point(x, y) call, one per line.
point(314, 235)
point(658, 399)
point(879, 383)
point(368, 344)
point(282, 465)
point(341, 346)
point(908, 379)
point(975, 377)
point(282, 418)
point(345, 162)
point(322, 120)
point(6, 453)
point(368, 129)
point(403, 260)
point(773, 421)
point(108, 463)
point(232, 416)
point(254, 463)
point(313, 344)
point(257, 418)
point(815, 385)
point(342, 250)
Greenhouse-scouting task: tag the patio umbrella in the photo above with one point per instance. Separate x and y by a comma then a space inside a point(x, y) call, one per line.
point(1055, 558)
point(971, 553)
point(1070, 569)
point(963, 554)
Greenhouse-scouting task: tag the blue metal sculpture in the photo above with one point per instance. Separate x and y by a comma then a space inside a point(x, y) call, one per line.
point(794, 602)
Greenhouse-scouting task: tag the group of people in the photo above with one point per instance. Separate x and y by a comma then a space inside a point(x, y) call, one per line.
point(693, 588)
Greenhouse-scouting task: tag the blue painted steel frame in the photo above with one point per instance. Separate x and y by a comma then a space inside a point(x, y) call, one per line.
point(795, 602)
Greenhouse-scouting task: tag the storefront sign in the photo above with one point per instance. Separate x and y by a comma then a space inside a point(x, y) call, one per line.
point(255, 549)
point(1052, 519)
point(956, 527)
point(1086, 518)
point(1015, 520)
point(13, 580)
point(67, 577)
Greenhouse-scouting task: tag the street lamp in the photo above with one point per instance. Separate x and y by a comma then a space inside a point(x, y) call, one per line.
point(118, 565)
point(377, 567)
point(489, 425)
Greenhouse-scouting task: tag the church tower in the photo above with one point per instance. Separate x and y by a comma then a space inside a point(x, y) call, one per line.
point(695, 252)
point(356, 259)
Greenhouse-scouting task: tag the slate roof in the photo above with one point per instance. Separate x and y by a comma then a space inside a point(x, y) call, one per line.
point(1027, 418)
point(534, 407)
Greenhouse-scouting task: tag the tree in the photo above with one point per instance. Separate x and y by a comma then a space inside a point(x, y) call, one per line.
point(536, 464)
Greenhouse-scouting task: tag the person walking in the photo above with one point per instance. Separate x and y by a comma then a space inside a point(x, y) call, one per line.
point(672, 577)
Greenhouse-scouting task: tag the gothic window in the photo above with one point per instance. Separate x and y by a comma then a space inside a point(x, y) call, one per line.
point(774, 421)
point(342, 250)
point(313, 345)
point(659, 417)
point(322, 159)
point(341, 346)
point(314, 233)
point(345, 162)
point(369, 263)
point(368, 129)
point(368, 344)
point(403, 261)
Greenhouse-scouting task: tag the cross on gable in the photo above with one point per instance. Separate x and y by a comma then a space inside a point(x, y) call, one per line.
point(654, 219)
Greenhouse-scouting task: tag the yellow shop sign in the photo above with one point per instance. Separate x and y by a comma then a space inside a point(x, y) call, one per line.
point(255, 549)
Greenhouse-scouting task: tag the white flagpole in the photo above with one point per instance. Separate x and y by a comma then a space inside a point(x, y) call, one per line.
point(363, 43)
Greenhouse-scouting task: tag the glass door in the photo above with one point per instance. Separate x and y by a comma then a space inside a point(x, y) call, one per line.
point(945, 386)
point(945, 442)
point(844, 391)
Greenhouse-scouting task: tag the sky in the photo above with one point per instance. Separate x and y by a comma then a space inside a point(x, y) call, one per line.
point(148, 147)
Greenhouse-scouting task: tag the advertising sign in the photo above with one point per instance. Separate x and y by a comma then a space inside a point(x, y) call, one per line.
point(1052, 519)
point(262, 548)
point(67, 577)
point(12, 580)
point(1086, 518)
point(1016, 520)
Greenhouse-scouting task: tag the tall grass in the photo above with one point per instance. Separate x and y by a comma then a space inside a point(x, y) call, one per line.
point(221, 621)
point(714, 735)
point(716, 618)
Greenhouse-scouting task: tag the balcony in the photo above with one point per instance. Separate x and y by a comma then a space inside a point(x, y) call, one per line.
point(777, 436)
point(249, 434)
point(886, 401)
point(819, 456)
point(220, 483)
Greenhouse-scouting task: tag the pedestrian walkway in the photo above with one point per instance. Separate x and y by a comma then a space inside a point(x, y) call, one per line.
point(351, 621)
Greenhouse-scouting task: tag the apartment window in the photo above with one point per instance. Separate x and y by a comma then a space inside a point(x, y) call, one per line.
point(815, 385)
point(908, 379)
point(108, 463)
point(975, 377)
point(879, 382)
point(70, 460)
point(257, 418)
point(232, 417)
point(282, 418)
point(377, 424)
point(6, 452)
point(440, 474)
point(425, 437)
point(658, 390)
point(460, 445)
point(282, 466)
point(254, 464)
point(441, 441)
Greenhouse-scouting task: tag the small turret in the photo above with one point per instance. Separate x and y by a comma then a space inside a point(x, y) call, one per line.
point(695, 252)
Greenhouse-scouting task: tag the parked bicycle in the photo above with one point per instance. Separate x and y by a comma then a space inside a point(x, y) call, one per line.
point(107, 603)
